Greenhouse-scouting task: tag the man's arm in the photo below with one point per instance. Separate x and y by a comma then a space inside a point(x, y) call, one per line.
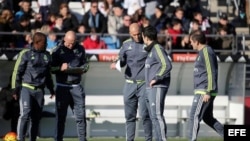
point(19, 69)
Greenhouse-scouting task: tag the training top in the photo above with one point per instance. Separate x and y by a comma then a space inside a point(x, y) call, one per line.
point(157, 66)
point(32, 67)
point(206, 72)
point(133, 55)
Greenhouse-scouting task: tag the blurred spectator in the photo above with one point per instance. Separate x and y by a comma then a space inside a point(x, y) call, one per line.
point(190, 7)
point(37, 23)
point(179, 14)
point(150, 7)
point(115, 21)
point(108, 7)
point(195, 26)
point(94, 42)
point(55, 5)
point(70, 21)
point(145, 21)
point(28, 39)
point(175, 31)
point(223, 22)
point(159, 19)
point(94, 19)
point(81, 30)
point(137, 16)
point(132, 5)
point(45, 29)
point(6, 21)
point(185, 44)
point(58, 26)
point(51, 20)
point(51, 41)
point(205, 23)
point(162, 39)
point(25, 9)
point(44, 8)
point(23, 25)
point(125, 28)
point(223, 42)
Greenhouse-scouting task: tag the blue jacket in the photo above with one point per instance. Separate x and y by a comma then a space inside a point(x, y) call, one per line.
point(75, 57)
point(133, 55)
point(157, 66)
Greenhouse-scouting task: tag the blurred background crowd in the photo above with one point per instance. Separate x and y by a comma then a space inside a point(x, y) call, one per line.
point(103, 24)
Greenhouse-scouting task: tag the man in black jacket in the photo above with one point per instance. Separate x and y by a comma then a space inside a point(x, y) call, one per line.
point(68, 64)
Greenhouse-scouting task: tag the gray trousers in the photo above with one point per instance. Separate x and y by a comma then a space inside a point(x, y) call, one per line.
point(75, 98)
point(156, 102)
point(134, 94)
point(31, 104)
point(203, 111)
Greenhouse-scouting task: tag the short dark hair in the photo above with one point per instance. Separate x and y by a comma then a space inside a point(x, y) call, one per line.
point(38, 36)
point(150, 32)
point(199, 36)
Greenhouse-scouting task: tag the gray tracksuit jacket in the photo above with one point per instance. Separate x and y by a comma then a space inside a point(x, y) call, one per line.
point(158, 66)
point(32, 67)
point(206, 72)
point(133, 55)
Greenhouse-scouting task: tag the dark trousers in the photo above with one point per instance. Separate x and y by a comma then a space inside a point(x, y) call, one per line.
point(156, 102)
point(134, 94)
point(31, 104)
point(74, 97)
point(203, 111)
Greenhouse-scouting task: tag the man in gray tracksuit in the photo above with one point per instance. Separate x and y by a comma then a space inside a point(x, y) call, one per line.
point(30, 76)
point(205, 87)
point(133, 55)
point(157, 76)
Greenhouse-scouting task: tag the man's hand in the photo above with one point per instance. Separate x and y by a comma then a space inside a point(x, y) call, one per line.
point(64, 66)
point(52, 96)
point(152, 82)
point(206, 98)
point(113, 66)
point(15, 96)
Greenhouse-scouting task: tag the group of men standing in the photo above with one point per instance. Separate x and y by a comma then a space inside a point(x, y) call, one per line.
point(148, 76)
point(147, 79)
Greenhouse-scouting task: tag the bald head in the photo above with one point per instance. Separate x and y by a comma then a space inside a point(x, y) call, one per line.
point(134, 31)
point(134, 27)
point(69, 39)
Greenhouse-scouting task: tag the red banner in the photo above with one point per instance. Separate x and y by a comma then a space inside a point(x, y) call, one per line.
point(184, 57)
point(107, 57)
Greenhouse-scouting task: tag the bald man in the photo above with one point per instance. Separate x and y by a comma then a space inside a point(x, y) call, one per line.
point(133, 56)
point(69, 63)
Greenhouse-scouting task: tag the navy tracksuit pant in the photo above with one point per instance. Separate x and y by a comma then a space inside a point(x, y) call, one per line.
point(134, 94)
point(73, 96)
point(31, 105)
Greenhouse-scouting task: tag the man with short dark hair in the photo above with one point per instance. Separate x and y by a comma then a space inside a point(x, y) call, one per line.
point(30, 76)
point(157, 76)
point(205, 86)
